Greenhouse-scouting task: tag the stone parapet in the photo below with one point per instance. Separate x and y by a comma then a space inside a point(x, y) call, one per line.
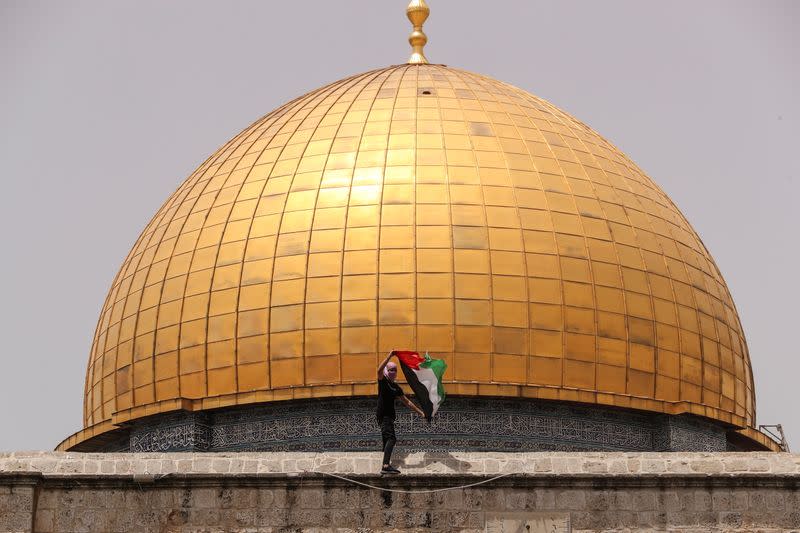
point(597, 464)
point(51, 492)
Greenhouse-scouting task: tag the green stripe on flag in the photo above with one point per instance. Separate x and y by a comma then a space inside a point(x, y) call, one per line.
point(438, 366)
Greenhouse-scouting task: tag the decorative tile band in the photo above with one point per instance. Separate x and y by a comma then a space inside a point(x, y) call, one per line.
point(464, 424)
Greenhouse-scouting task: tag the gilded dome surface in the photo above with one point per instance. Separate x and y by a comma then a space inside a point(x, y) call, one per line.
point(418, 207)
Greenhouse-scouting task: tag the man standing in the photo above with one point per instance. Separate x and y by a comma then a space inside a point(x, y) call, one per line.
point(388, 390)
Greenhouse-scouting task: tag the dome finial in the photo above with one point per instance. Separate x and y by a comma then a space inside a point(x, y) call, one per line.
point(417, 12)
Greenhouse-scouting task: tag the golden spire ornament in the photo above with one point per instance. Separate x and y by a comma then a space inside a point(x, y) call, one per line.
point(417, 12)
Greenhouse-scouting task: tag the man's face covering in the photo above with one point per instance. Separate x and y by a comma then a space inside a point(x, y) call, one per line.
point(390, 371)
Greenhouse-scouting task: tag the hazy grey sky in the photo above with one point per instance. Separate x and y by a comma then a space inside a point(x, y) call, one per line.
point(106, 107)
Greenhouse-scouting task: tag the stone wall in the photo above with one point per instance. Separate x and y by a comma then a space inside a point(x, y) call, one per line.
point(271, 492)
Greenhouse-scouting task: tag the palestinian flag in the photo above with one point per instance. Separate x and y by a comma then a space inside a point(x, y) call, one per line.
point(424, 376)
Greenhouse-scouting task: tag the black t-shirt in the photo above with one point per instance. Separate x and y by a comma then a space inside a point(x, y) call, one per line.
point(387, 392)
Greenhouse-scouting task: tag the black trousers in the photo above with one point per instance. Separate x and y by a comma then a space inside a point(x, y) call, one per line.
point(389, 438)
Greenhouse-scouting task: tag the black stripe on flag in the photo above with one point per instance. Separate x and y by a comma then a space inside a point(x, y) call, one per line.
point(420, 391)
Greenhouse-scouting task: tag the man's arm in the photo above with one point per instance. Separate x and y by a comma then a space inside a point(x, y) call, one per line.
point(385, 361)
point(411, 405)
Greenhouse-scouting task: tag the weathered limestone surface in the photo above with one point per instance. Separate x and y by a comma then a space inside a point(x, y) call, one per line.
point(270, 492)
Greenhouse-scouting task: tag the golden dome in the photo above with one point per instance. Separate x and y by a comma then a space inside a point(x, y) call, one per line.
point(418, 207)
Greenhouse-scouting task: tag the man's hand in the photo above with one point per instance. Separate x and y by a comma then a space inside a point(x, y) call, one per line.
point(411, 405)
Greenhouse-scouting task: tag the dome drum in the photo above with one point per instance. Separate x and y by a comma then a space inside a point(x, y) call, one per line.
point(418, 207)
point(463, 424)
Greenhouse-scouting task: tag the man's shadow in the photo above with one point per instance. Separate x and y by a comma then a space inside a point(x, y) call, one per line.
point(450, 462)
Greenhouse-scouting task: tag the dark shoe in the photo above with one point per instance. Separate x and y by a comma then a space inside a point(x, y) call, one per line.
point(389, 470)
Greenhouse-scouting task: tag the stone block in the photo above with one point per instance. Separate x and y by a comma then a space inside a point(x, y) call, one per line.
point(122, 521)
point(513, 466)
point(419, 500)
point(573, 499)
point(245, 498)
point(70, 466)
point(138, 499)
point(237, 519)
point(454, 500)
point(275, 518)
point(680, 466)
point(737, 464)
point(708, 466)
point(759, 464)
point(220, 466)
point(791, 519)
point(721, 499)
point(311, 499)
point(653, 520)
point(201, 464)
point(310, 517)
point(758, 500)
point(46, 500)
point(225, 496)
point(473, 500)
point(703, 519)
point(669, 500)
point(177, 517)
point(44, 521)
point(63, 519)
point(345, 466)
point(42, 464)
point(645, 500)
point(122, 466)
point(270, 466)
point(601, 520)
point(544, 464)
point(617, 467)
point(783, 463)
point(439, 520)
point(107, 466)
point(458, 520)
point(90, 520)
point(347, 516)
point(574, 465)
point(20, 499)
point(775, 499)
point(205, 498)
point(515, 500)
point(265, 498)
point(652, 466)
point(545, 499)
point(204, 517)
point(14, 521)
point(600, 500)
point(164, 498)
point(730, 520)
point(95, 499)
point(493, 499)
point(595, 467)
point(701, 500)
point(13, 465)
point(623, 500)
point(491, 466)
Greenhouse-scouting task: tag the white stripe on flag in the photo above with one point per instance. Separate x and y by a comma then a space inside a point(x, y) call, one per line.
point(429, 380)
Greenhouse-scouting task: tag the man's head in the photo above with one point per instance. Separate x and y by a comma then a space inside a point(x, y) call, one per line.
point(390, 371)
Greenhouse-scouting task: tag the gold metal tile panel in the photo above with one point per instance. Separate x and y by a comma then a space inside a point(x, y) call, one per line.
point(419, 207)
